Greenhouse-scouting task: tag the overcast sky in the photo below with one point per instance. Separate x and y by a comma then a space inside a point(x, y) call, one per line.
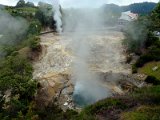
point(80, 3)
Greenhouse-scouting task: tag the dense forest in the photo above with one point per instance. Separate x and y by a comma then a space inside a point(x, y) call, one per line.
point(140, 8)
point(18, 51)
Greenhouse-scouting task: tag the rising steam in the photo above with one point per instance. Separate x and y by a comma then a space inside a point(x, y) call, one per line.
point(57, 15)
point(83, 23)
point(12, 30)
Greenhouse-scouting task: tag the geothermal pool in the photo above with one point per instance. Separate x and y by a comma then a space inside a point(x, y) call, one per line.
point(54, 69)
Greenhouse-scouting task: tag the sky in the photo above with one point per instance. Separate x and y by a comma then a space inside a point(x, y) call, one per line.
point(80, 3)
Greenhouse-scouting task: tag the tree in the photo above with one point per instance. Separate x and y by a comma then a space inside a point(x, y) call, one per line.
point(34, 28)
point(30, 4)
point(45, 14)
point(155, 16)
point(21, 3)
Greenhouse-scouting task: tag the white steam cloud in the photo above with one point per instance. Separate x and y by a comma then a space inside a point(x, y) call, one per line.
point(12, 30)
point(57, 15)
point(83, 23)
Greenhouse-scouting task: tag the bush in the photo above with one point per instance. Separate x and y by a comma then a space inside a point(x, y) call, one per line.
point(143, 113)
point(134, 69)
point(153, 54)
point(16, 75)
point(45, 15)
point(34, 43)
point(34, 28)
point(152, 80)
point(151, 40)
point(147, 95)
point(144, 59)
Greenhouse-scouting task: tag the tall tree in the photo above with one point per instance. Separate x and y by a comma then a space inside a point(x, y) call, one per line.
point(20, 3)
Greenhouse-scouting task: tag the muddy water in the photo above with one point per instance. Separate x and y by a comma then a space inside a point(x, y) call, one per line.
point(53, 69)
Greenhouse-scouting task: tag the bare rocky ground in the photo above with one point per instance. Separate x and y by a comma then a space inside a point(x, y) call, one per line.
point(108, 59)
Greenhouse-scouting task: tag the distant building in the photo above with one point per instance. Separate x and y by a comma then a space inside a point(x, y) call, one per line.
point(127, 17)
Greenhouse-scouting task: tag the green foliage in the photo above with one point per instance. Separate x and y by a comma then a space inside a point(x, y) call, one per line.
point(151, 40)
point(45, 15)
point(136, 34)
point(21, 3)
point(143, 40)
point(8, 50)
point(90, 112)
point(140, 8)
point(143, 113)
point(34, 42)
point(147, 95)
point(134, 68)
point(16, 75)
point(152, 80)
point(55, 112)
point(34, 28)
point(156, 11)
point(152, 55)
point(15, 71)
point(26, 12)
point(148, 69)
point(29, 4)
point(155, 17)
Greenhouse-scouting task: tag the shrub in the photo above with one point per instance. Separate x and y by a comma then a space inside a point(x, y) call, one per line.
point(147, 95)
point(134, 69)
point(16, 75)
point(34, 43)
point(151, 39)
point(34, 28)
point(152, 80)
point(143, 113)
point(144, 59)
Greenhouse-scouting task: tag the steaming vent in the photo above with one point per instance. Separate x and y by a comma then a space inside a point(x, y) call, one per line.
point(92, 47)
point(57, 15)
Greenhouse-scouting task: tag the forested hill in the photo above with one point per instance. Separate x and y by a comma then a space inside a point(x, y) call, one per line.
point(140, 8)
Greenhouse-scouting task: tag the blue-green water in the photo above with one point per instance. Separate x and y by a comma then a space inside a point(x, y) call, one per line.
point(82, 101)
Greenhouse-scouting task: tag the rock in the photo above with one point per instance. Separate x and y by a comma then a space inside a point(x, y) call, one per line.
point(51, 83)
point(7, 96)
point(66, 104)
point(118, 90)
point(140, 77)
point(43, 83)
point(127, 86)
point(155, 68)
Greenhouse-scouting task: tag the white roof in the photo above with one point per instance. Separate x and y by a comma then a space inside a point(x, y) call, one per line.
point(129, 16)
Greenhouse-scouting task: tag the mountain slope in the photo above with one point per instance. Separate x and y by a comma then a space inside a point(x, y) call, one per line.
point(140, 8)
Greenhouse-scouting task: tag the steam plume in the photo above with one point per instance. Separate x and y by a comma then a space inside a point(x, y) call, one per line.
point(12, 30)
point(84, 23)
point(57, 15)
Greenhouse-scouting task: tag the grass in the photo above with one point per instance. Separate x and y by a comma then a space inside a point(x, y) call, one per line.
point(148, 95)
point(107, 108)
point(135, 106)
point(142, 113)
point(147, 69)
point(27, 9)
